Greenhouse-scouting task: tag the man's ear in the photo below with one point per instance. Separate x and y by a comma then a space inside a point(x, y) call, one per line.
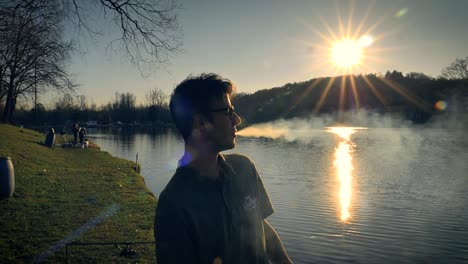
point(196, 128)
point(201, 123)
point(197, 122)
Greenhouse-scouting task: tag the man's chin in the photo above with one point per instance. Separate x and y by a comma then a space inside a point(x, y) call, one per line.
point(229, 146)
point(233, 145)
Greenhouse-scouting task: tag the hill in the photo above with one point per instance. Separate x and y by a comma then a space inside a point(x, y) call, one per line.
point(414, 96)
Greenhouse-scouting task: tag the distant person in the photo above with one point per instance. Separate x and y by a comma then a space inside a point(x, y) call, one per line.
point(82, 134)
point(75, 130)
point(50, 138)
point(214, 208)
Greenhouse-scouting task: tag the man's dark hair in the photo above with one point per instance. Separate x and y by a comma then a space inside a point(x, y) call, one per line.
point(195, 95)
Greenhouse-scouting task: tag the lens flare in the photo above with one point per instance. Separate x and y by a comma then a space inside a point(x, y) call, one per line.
point(440, 105)
point(365, 41)
point(401, 12)
point(347, 47)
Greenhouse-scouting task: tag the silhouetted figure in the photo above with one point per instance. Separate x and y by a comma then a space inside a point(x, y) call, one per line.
point(75, 130)
point(50, 138)
point(82, 134)
point(232, 226)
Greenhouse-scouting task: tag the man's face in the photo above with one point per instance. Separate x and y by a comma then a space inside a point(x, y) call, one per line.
point(222, 136)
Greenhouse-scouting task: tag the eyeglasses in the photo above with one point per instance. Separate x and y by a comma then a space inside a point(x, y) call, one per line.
point(229, 111)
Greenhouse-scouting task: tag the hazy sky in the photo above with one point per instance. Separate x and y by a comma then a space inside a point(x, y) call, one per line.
point(268, 43)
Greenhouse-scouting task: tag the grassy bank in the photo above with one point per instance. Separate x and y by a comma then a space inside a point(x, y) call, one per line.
point(65, 195)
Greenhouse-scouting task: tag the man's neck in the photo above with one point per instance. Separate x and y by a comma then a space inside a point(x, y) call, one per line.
point(202, 160)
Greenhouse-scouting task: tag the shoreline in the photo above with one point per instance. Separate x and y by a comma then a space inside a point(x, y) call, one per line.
point(63, 195)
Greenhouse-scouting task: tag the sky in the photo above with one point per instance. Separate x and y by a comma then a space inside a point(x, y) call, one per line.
point(261, 44)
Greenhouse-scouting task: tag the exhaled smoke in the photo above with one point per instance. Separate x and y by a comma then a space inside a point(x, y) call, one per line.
point(264, 130)
point(289, 130)
point(305, 129)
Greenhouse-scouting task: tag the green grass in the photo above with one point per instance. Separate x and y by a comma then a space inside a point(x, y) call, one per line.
point(58, 190)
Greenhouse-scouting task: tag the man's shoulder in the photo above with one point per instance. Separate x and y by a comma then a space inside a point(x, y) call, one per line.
point(242, 166)
point(236, 159)
point(177, 186)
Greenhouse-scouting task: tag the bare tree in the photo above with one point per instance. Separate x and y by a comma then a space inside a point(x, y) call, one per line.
point(157, 102)
point(148, 29)
point(82, 102)
point(418, 75)
point(33, 53)
point(124, 106)
point(3, 86)
point(156, 98)
point(66, 102)
point(457, 70)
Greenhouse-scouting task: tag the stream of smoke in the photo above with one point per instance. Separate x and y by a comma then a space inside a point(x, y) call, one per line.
point(264, 130)
point(306, 129)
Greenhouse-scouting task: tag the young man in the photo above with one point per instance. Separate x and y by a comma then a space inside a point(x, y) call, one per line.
point(213, 210)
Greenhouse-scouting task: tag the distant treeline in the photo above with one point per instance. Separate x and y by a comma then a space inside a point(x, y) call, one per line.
point(414, 95)
point(122, 109)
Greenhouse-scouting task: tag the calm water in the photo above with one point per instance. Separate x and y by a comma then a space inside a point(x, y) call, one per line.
point(407, 197)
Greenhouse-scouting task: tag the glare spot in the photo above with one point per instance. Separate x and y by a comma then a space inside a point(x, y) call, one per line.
point(365, 41)
point(344, 167)
point(440, 105)
point(342, 132)
point(217, 260)
point(401, 12)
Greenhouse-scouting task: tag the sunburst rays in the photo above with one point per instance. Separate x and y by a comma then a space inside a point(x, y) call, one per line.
point(366, 34)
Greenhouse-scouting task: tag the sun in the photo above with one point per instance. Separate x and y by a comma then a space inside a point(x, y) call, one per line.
point(346, 53)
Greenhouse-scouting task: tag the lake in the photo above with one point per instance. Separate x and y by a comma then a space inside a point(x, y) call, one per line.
point(362, 196)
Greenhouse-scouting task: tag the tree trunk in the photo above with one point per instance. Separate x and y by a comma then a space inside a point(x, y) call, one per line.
point(1, 84)
point(12, 110)
point(10, 101)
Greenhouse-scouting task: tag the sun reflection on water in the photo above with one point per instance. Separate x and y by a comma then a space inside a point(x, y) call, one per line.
point(344, 166)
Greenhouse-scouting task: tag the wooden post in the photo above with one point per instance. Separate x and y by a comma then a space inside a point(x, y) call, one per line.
point(137, 166)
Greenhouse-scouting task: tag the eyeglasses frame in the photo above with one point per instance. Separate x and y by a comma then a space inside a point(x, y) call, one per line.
point(228, 110)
